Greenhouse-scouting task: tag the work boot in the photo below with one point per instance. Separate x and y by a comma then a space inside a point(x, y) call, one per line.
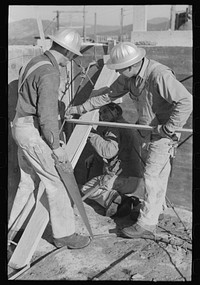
point(124, 209)
point(136, 231)
point(113, 204)
point(74, 241)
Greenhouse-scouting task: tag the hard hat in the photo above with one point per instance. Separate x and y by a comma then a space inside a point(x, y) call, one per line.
point(69, 39)
point(125, 54)
point(114, 108)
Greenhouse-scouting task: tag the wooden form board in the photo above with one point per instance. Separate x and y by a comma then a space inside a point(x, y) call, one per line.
point(40, 217)
point(79, 136)
point(31, 235)
point(21, 218)
point(40, 28)
point(106, 77)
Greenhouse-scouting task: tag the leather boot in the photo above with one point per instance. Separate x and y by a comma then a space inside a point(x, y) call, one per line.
point(136, 231)
point(74, 241)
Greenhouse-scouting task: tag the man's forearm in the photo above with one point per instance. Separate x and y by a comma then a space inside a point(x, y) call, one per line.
point(96, 102)
point(105, 148)
point(180, 115)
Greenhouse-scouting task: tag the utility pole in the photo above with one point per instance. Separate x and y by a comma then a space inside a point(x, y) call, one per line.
point(121, 25)
point(172, 17)
point(84, 34)
point(95, 27)
point(57, 20)
point(58, 16)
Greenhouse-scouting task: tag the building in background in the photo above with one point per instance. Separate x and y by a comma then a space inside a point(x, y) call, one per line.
point(184, 20)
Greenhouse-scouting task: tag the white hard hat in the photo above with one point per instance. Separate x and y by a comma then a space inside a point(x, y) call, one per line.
point(69, 39)
point(125, 54)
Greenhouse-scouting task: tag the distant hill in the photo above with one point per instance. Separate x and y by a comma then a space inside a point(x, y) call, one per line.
point(157, 21)
point(24, 32)
point(158, 24)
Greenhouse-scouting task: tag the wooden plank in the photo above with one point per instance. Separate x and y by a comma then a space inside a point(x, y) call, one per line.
point(31, 236)
point(40, 28)
point(19, 222)
point(78, 139)
point(106, 77)
point(14, 274)
point(79, 136)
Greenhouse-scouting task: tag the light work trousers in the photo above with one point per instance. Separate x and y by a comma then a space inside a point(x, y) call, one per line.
point(156, 173)
point(103, 195)
point(37, 166)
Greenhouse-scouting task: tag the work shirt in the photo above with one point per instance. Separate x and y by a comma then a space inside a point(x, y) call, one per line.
point(110, 143)
point(159, 97)
point(38, 97)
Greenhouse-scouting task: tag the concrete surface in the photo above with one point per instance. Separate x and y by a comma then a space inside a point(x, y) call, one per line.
point(112, 257)
point(164, 38)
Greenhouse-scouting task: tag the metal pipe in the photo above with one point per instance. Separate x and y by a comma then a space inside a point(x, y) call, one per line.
point(121, 125)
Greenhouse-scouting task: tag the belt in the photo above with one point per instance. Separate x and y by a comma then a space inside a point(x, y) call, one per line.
point(29, 119)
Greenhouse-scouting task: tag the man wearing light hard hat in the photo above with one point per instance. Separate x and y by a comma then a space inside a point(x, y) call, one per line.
point(36, 131)
point(161, 101)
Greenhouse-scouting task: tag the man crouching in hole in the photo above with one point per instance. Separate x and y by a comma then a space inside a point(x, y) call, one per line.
point(122, 174)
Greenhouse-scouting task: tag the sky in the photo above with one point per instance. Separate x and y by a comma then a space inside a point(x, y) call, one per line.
point(105, 15)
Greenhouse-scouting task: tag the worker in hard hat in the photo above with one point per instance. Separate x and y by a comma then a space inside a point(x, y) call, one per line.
point(36, 131)
point(121, 165)
point(162, 102)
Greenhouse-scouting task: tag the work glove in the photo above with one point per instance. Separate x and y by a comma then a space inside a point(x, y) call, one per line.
point(89, 161)
point(163, 132)
point(92, 133)
point(61, 153)
point(74, 110)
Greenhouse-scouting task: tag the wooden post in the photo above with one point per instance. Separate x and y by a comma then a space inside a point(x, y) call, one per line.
point(95, 27)
point(84, 31)
point(41, 32)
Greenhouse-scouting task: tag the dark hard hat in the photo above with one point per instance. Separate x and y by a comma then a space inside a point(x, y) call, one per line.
point(113, 107)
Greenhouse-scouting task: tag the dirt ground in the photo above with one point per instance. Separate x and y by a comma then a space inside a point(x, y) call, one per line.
point(109, 256)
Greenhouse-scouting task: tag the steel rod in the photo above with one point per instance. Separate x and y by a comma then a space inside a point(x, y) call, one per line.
point(121, 125)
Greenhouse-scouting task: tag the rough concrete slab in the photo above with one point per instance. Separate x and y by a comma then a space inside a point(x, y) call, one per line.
point(111, 257)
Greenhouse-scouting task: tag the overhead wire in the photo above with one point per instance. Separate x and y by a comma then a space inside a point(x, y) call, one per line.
point(109, 11)
point(50, 24)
